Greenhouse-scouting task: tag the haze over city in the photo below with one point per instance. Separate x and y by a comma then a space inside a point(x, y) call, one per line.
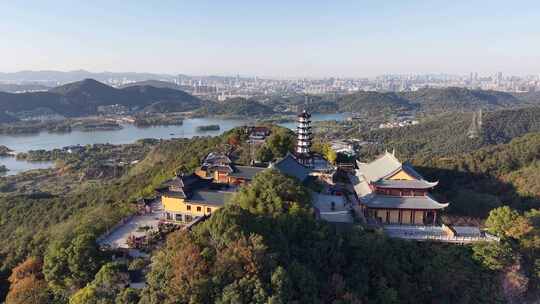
point(279, 39)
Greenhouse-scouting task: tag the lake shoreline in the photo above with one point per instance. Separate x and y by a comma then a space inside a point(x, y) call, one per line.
point(129, 133)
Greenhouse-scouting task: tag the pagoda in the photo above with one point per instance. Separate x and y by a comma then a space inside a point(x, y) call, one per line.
point(304, 137)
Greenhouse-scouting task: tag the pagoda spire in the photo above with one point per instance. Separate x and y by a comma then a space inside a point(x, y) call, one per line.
point(304, 138)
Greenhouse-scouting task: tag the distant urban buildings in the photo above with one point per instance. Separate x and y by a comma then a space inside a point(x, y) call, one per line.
point(221, 88)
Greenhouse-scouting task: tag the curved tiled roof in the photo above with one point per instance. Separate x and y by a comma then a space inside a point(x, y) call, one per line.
point(382, 167)
point(288, 165)
point(403, 202)
point(387, 165)
point(377, 173)
point(246, 172)
point(404, 184)
point(209, 197)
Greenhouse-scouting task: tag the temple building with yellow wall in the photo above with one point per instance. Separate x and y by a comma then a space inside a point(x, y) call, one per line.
point(392, 192)
point(188, 197)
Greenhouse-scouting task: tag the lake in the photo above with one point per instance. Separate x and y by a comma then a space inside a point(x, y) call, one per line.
point(128, 134)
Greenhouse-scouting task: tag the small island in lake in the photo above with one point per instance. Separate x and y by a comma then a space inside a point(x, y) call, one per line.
point(5, 151)
point(3, 169)
point(96, 125)
point(208, 128)
point(158, 120)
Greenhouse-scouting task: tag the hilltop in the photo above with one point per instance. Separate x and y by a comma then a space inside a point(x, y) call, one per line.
point(71, 76)
point(82, 98)
point(459, 99)
point(374, 101)
point(237, 107)
point(153, 83)
point(430, 100)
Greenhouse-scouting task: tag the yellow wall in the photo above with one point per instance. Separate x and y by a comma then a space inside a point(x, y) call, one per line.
point(419, 217)
point(406, 217)
point(173, 204)
point(178, 205)
point(401, 175)
point(382, 214)
point(394, 216)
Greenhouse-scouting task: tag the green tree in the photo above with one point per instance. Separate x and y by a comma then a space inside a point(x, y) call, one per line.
point(281, 287)
point(87, 295)
point(108, 284)
point(128, 296)
point(248, 289)
point(501, 221)
point(272, 193)
point(264, 154)
point(493, 255)
point(70, 264)
point(329, 153)
point(281, 141)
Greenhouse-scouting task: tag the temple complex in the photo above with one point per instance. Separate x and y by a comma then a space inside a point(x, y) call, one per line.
point(220, 169)
point(392, 192)
point(188, 197)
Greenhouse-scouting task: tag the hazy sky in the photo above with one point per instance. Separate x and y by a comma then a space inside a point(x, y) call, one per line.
point(272, 38)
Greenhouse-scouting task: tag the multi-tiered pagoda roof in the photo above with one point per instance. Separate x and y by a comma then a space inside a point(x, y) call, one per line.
point(388, 184)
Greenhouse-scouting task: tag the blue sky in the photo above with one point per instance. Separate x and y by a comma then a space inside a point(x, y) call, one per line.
point(272, 38)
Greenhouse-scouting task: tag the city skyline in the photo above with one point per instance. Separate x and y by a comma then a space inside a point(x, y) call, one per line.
point(277, 40)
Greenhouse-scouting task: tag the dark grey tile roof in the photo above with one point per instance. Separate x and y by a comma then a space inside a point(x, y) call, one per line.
point(209, 197)
point(245, 172)
point(291, 167)
point(385, 166)
point(403, 202)
point(182, 185)
point(183, 180)
point(216, 158)
point(405, 184)
point(381, 167)
point(175, 194)
point(220, 168)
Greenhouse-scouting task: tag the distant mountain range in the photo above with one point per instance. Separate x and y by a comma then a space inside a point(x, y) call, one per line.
point(83, 98)
point(18, 88)
point(71, 76)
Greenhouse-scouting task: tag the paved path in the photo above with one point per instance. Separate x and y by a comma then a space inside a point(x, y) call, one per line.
point(341, 213)
point(118, 237)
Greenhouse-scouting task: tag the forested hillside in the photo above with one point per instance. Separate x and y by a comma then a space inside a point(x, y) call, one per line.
point(492, 176)
point(452, 99)
point(448, 134)
point(427, 100)
point(239, 107)
point(378, 103)
point(83, 97)
point(266, 247)
point(46, 206)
